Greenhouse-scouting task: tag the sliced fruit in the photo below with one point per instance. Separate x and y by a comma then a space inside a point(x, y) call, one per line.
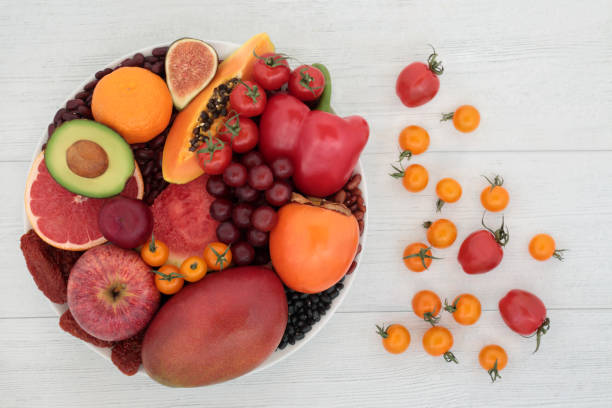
point(207, 112)
point(88, 158)
point(190, 65)
point(63, 219)
point(182, 219)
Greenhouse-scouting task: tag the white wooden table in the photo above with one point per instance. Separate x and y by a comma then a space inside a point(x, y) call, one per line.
point(540, 73)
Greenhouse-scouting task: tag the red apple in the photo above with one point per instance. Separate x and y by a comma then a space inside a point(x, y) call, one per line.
point(112, 293)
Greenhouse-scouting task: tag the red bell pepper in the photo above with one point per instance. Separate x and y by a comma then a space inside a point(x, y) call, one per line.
point(323, 147)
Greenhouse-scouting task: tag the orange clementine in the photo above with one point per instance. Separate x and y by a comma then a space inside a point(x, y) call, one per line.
point(133, 101)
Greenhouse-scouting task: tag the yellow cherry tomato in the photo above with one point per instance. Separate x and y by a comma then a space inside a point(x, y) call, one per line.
point(427, 305)
point(441, 233)
point(448, 191)
point(154, 253)
point(465, 308)
point(495, 197)
point(218, 256)
point(168, 280)
point(395, 338)
point(542, 247)
point(465, 119)
point(493, 358)
point(193, 268)
point(415, 178)
point(437, 341)
point(414, 139)
point(417, 257)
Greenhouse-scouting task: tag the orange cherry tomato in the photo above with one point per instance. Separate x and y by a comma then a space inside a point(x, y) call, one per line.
point(465, 119)
point(154, 253)
point(417, 257)
point(427, 305)
point(542, 247)
point(448, 191)
point(466, 309)
point(493, 358)
point(495, 197)
point(217, 256)
point(437, 341)
point(441, 233)
point(414, 139)
point(395, 338)
point(193, 268)
point(415, 178)
point(168, 280)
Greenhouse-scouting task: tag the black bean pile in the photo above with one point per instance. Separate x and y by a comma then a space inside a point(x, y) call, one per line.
point(148, 155)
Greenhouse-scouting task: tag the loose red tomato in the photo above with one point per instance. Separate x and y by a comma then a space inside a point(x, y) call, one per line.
point(248, 98)
point(525, 314)
point(427, 305)
point(494, 198)
point(271, 70)
point(239, 132)
point(465, 119)
point(214, 155)
point(417, 257)
point(306, 83)
point(441, 233)
point(437, 341)
point(168, 280)
point(493, 358)
point(395, 338)
point(418, 83)
point(466, 309)
point(448, 191)
point(542, 247)
point(482, 250)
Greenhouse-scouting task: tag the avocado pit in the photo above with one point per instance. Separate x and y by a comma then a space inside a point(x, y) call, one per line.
point(87, 159)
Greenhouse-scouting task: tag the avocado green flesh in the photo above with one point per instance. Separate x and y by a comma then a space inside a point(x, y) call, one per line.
point(120, 159)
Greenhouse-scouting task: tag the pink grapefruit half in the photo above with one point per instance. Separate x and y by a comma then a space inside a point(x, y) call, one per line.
point(63, 219)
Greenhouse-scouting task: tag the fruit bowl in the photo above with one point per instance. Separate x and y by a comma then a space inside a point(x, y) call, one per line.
point(224, 49)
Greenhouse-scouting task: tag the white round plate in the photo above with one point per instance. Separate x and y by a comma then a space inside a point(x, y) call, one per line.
point(224, 49)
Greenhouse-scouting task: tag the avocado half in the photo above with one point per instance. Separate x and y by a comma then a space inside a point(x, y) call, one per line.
point(88, 158)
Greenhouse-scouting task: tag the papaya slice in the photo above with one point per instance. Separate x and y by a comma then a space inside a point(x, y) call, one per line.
point(207, 111)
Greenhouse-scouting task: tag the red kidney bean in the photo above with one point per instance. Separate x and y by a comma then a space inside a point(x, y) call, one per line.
point(160, 51)
point(157, 68)
point(101, 74)
point(352, 268)
point(158, 141)
point(353, 182)
point(148, 168)
point(138, 59)
point(359, 215)
point(151, 59)
point(84, 111)
point(144, 154)
point(350, 201)
point(354, 207)
point(58, 114)
point(82, 95)
point(66, 116)
point(50, 129)
point(74, 103)
point(361, 226)
point(91, 85)
point(88, 100)
point(340, 196)
point(138, 146)
point(148, 65)
point(358, 250)
point(356, 192)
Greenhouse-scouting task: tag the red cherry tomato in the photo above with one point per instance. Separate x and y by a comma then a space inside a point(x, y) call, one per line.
point(214, 155)
point(306, 83)
point(239, 132)
point(525, 314)
point(482, 250)
point(271, 70)
point(418, 83)
point(248, 99)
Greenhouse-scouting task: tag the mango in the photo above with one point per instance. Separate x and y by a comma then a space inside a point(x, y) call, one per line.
point(217, 329)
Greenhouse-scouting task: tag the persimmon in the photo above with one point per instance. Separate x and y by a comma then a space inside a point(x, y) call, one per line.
point(441, 233)
point(395, 338)
point(466, 118)
point(313, 244)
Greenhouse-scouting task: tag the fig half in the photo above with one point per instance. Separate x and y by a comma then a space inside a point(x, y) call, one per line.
point(190, 65)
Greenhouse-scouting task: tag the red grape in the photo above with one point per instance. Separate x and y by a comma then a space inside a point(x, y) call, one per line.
point(216, 187)
point(228, 233)
point(246, 193)
point(257, 238)
point(279, 194)
point(221, 209)
point(243, 253)
point(252, 159)
point(282, 168)
point(242, 215)
point(235, 175)
point(264, 218)
point(261, 177)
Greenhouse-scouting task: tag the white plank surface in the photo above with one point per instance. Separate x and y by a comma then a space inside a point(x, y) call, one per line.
point(540, 74)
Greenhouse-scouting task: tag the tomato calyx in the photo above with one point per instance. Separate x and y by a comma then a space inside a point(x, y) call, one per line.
point(434, 64)
point(152, 246)
point(497, 181)
point(401, 170)
point(273, 61)
point(382, 331)
point(427, 224)
point(493, 372)
point(320, 202)
point(306, 79)
point(542, 330)
point(232, 129)
point(439, 204)
point(431, 318)
point(447, 116)
point(252, 92)
point(451, 308)
point(168, 276)
point(221, 258)
point(211, 148)
point(501, 235)
point(450, 357)
point(559, 254)
point(422, 254)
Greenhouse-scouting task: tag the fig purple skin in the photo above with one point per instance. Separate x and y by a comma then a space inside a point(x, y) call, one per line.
point(126, 222)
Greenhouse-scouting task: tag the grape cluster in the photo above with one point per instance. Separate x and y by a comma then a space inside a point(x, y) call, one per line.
point(247, 195)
